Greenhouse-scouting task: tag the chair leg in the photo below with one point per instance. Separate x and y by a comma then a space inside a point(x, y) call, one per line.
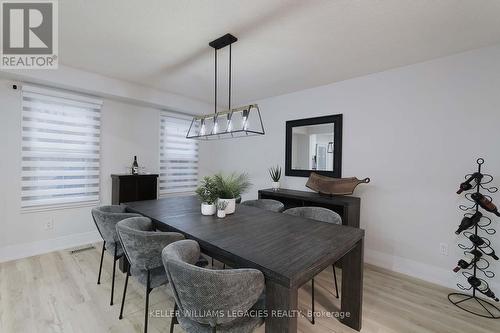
point(335, 281)
point(100, 265)
point(223, 266)
point(312, 305)
point(113, 278)
point(146, 311)
point(124, 293)
point(212, 263)
point(173, 321)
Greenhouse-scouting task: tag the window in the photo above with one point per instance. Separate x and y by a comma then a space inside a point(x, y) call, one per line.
point(178, 157)
point(60, 148)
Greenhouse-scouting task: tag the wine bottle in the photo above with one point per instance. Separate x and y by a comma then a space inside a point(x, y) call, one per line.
point(135, 167)
point(471, 258)
point(464, 187)
point(481, 244)
point(484, 203)
point(481, 286)
point(467, 184)
point(469, 221)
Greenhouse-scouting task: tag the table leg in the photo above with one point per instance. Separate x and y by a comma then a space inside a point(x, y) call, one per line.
point(352, 286)
point(281, 304)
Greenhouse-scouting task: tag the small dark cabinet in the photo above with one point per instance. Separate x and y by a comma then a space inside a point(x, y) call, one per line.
point(127, 188)
point(346, 206)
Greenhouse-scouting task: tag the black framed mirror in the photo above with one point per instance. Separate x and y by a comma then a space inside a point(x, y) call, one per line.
point(314, 145)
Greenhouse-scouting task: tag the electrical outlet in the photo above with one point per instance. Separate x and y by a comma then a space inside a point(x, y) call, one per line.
point(443, 249)
point(49, 225)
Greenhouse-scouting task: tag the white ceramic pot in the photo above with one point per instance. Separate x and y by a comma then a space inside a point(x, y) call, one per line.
point(276, 186)
point(231, 205)
point(208, 209)
point(221, 213)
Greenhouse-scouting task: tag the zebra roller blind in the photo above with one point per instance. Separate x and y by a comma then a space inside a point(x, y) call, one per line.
point(60, 148)
point(178, 157)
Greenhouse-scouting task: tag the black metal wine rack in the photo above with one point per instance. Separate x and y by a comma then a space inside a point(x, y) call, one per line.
point(480, 269)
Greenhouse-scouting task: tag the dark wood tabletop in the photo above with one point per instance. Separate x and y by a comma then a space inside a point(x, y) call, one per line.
point(289, 250)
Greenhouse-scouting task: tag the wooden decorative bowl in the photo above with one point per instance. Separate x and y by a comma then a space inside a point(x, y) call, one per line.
point(334, 186)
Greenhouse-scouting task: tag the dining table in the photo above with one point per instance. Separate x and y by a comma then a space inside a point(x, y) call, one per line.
point(288, 250)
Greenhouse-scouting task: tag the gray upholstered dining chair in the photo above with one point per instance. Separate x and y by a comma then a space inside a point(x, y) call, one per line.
point(105, 219)
point(267, 204)
point(142, 246)
point(205, 298)
point(323, 215)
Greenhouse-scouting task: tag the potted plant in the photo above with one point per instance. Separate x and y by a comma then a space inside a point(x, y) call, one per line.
point(231, 187)
point(221, 209)
point(207, 192)
point(275, 173)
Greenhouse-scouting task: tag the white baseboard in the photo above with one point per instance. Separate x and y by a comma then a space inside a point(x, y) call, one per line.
point(410, 267)
point(441, 276)
point(18, 251)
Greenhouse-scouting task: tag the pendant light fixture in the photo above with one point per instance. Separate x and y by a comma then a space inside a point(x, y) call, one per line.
point(232, 123)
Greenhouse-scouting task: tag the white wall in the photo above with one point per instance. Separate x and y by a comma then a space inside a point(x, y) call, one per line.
point(91, 83)
point(415, 131)
point(130, 126)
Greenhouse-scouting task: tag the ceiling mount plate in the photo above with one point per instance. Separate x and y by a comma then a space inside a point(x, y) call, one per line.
point(223, 41)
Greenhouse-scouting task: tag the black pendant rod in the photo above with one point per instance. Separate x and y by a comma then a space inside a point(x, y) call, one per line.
point(219, 43)
point(229, 103)
point(215, 99)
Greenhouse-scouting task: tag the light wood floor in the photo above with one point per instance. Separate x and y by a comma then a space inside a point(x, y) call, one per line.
point(57, 292)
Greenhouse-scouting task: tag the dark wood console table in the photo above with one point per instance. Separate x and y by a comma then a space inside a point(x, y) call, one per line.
point(346, 206)
point(127, 187)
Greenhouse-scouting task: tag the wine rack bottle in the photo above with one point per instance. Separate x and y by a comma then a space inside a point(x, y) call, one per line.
point(468, 222)
point(472, 257)
point(482, 246)
point(467, 185)
point(484, 203)
point(482, 287)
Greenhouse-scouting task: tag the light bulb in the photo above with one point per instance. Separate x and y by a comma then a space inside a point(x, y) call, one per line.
point(202, 129)
point(245, 119)
point(229, 122)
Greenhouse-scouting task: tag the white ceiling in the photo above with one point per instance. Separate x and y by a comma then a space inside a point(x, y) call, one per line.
point(283, 46)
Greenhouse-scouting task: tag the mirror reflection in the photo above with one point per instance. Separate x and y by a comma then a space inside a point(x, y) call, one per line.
point(312, 147)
